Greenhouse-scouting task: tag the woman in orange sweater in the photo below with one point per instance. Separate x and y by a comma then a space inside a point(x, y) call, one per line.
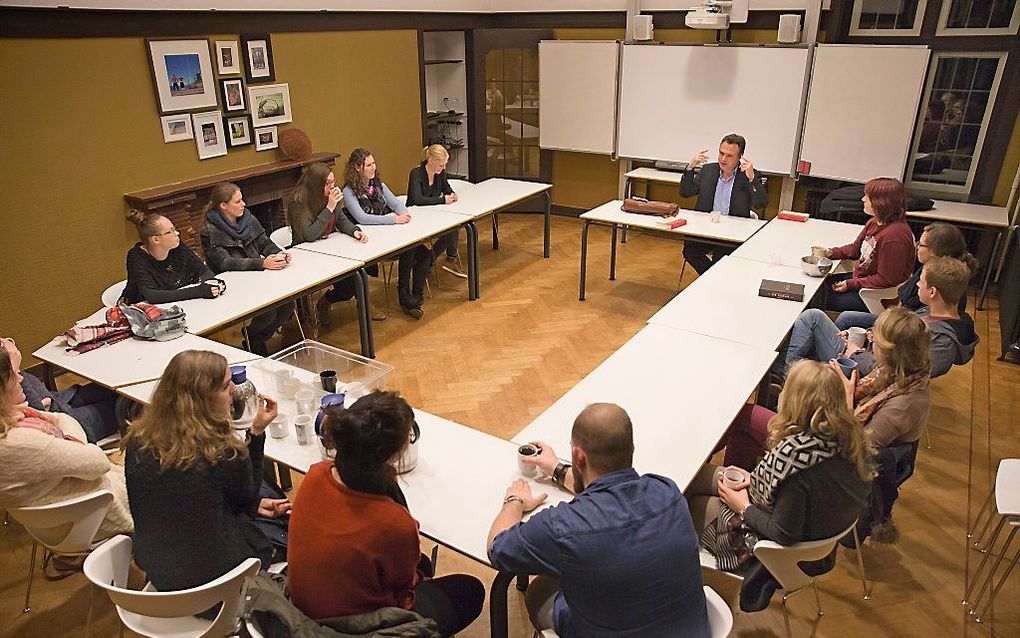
point(353, 546)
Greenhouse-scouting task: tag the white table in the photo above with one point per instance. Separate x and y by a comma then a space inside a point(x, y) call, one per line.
point(133, 360)
point(648, 174)
point(786, 242)
point(724, 303)
point(681, 390)
point(729, 230)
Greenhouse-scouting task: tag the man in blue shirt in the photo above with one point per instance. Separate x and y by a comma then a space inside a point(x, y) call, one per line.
point(621, 558)
point(721, 187)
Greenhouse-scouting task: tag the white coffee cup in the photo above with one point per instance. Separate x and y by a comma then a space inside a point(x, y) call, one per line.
point(302, 426)
point(278, 426)
point(732, 478)
point(305, 401)
point(527, 451)
point(857, 336)
point(715, 217)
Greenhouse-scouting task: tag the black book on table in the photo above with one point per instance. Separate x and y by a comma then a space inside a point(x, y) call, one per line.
point(781, 290)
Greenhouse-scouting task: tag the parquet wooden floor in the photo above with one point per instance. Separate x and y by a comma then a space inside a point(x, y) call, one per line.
point(496, 363)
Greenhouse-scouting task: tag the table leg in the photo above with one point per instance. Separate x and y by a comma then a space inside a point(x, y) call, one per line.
point(495, 231)
point(548, 222)
point(989, 268)
point(498, 619)
point(473, 262)
point(584, 256)
point(612, 256)
point(364, 315)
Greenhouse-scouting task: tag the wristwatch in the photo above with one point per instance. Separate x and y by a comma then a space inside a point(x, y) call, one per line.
point(512, 498)
point(560, 473)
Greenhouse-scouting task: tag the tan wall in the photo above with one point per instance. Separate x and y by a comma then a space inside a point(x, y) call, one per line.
point(81, 128)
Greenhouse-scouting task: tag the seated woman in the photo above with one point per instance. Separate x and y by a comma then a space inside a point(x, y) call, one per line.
point(44, 457)
point(352, 547)
point(233, 239)
point(92, 406)
point(314, 213)
point(812, 483)
point(884, 250)
point(160, 269)
point(193, 483)
point(369, 201)
point(427, 186)
point(937, 240)
point(891, 402)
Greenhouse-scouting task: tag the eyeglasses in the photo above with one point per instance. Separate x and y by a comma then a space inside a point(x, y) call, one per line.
point(169, 232)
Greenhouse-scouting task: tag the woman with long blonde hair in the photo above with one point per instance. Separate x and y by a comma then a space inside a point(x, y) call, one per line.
point(812, 483)
point(193, 482)
point(427, 185)
point(45, 458)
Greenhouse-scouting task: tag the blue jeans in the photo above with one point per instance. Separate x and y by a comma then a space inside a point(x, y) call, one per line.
point(855, 319)
point(814, 336)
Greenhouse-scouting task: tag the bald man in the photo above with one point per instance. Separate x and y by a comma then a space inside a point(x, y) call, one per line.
point(621, 558)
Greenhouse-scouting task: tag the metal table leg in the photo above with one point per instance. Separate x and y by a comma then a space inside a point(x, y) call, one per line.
point(612, 256)
point(584, 256)
point(548, 222)
point(473, 263)
point(498, 620)
point(495, 231)
point(989, 268)
point(364, 315)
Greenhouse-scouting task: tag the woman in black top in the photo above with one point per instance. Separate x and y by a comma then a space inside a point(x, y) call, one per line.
point(160, 269)
point(193, 484)
point(427, 186)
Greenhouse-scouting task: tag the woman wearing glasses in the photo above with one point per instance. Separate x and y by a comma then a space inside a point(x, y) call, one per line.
point(160, 269)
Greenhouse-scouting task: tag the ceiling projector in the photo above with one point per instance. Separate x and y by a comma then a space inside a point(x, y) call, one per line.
point(707, 17)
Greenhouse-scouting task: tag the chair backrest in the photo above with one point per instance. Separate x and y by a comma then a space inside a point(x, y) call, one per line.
point(872, 298)
point(781, 561)
point(754, 215)
point(108, 568)
point(281, 236)
point(66, 527)
point(112, 295)
point(720, 618)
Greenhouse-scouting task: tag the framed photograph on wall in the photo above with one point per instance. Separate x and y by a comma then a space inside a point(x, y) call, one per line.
point(270, 104)
point(233, 94)
point(182, 74)
point(266, 138)
point(228, 61)
point(176, 128)
point(209, 137)
point(238, 130)
point(258, 58)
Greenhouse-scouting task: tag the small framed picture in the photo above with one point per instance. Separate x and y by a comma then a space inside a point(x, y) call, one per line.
point(238, 130)
point(176, 128)
point(233, 94)
point(228, 62)
point(265, 138)
point(258, 58)
point(182, 74)
point(209, 136)
point(270, 104)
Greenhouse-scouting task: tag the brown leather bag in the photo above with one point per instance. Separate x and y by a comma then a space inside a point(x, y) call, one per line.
point(659, 209)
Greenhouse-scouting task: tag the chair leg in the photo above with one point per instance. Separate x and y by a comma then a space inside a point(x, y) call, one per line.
point(860, 564)
point(927, 439)
point(818, 602)
point(981, 512)
point(297, 318)
point(88, 618)
point(681, 277)
point(1002, 580)
point(786, 617)
point(435, 559)
point(31, 573)
point(984, 560)
point(7, 518)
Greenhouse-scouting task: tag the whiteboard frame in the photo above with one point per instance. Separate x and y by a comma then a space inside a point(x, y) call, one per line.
point(616, 102)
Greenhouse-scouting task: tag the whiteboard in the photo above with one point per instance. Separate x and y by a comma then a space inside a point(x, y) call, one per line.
point(861, 110)
point(677, 100)
point(577, 95)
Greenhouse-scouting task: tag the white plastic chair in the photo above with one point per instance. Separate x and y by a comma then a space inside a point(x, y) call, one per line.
point(65, 527)
point(167, 614)
point(1006, 493)
point(872, 298)
point(720, 618)
point(112, 295)
point(282, 236)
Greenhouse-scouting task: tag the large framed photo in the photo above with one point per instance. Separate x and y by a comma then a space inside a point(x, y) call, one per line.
point(238, 130)
point(266, 138)
point(176, 128)
point(228, 61)
point(209, 137)
point(258, 58)
point(182, 75)
point(270, 104)
point(233, 94)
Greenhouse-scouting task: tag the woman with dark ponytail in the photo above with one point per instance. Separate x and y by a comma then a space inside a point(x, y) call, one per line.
point(353, 546)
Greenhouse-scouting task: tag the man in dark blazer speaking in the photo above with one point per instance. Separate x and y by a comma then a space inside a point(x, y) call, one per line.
point(721, 187)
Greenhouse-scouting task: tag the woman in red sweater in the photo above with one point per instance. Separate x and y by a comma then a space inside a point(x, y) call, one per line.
point(884, 250)
point(353, 546)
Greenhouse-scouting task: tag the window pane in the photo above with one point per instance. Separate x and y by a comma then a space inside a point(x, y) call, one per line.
point(494, 65)
point(980, 14)
point(887, 14)
point(512, 62)
point(530, 71)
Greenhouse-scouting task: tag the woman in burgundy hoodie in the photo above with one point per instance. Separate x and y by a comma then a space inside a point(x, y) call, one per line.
point(884, 250)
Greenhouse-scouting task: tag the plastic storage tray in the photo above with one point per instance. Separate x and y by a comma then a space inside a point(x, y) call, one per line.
point(312, 357)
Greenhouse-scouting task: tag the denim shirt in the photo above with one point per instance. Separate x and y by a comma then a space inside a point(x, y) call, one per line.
point(625, 553)
point(723, 193)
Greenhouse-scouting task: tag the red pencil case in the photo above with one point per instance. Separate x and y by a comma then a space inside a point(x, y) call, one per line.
point(676, 223)
point(793, 217)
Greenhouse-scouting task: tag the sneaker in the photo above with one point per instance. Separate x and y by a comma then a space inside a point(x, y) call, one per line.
point(453, 267)
point(417, 313)
point(322, 308)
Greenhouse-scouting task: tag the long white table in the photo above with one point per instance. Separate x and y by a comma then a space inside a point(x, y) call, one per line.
point(494, 194)
point(785, 242)
point(727, 231)
point(681, 390)
point(724, 303)
point(648, 174)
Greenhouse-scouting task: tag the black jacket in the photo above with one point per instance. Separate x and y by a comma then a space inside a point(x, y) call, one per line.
point(747, 194)
point(227, 248)
point(421, 193)
point(161, 281)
